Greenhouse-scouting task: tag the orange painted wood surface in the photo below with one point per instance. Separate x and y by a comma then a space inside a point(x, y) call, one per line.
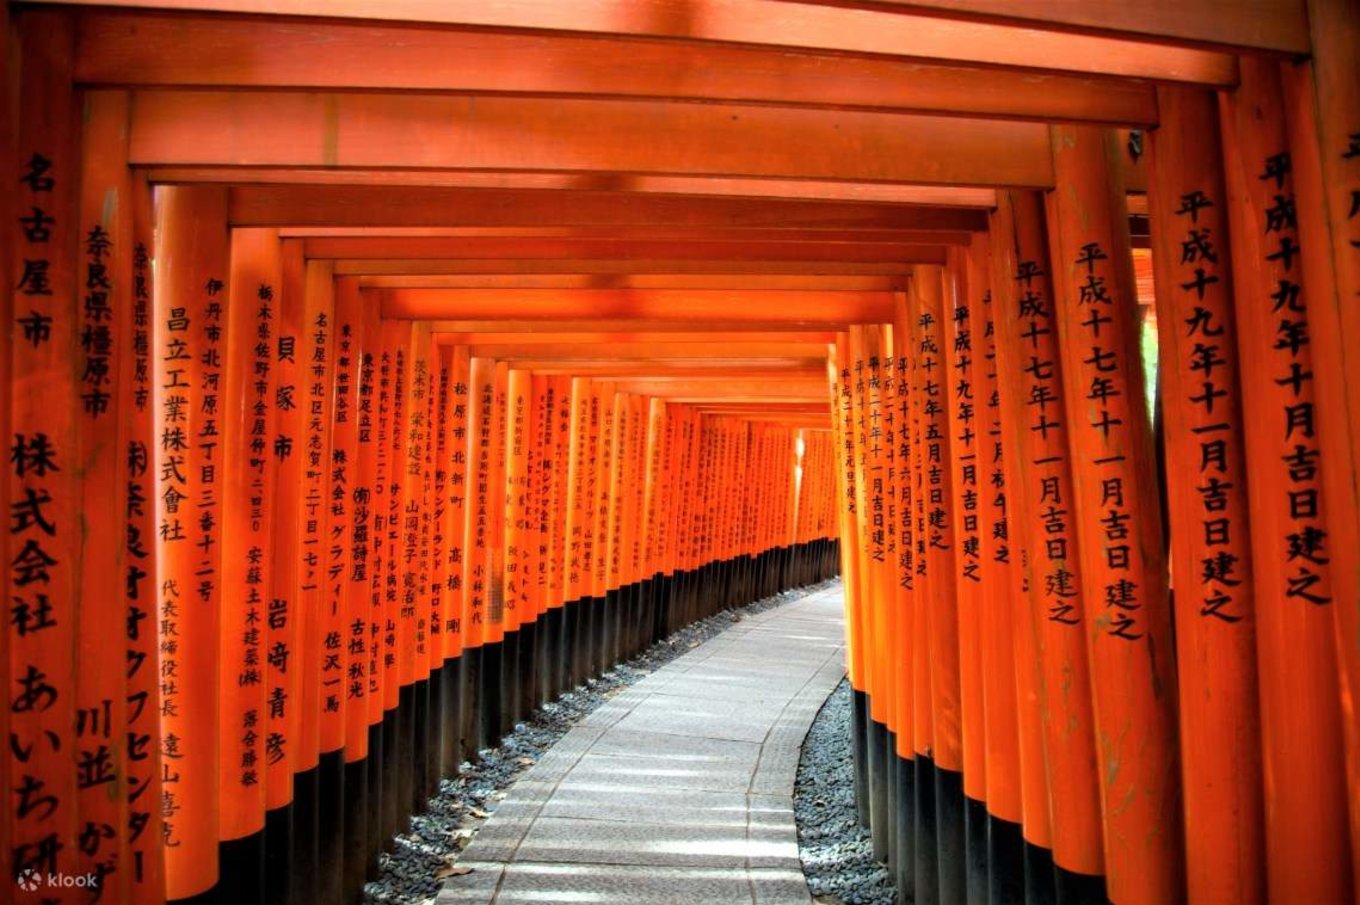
point(1115, 501)
point(959, 359)
point(192, 266)
point(1211, 563)
point(166, 50)
point(772, 23)
point(104, 280)
point(1302, 744)
point(376, 131)
point(1323, 110)
point(1058, 753)
point(354, 431)
point(248, 409)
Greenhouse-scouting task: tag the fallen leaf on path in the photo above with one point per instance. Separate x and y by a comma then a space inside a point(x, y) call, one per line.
point(453, 870)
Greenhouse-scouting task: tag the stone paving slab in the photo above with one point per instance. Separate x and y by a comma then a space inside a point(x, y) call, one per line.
point(620, 884)
point(680, 788)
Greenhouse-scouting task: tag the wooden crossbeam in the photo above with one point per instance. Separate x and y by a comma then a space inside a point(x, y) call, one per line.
point(772, 23)
point(652, 327)
point(715, 232)
point(419, 280)
point(633, 183)
point(484, 247)
point(1280, 26)
point(311, 129)
point(744, 350)
point(395, 207)
point(693, 306)
point(731, 387)
point(611, 368)
point(615, 272)
point(176, 50)
point(624, 339)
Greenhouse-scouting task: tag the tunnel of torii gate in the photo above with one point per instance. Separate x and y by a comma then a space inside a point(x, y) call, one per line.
point(377, 370)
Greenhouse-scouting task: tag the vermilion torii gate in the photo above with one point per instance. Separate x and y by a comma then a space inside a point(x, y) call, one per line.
point(377, 371)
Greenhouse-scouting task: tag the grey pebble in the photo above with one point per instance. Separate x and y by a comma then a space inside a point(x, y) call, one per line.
point(836, 851)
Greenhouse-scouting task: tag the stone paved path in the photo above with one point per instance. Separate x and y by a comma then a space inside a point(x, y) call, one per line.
point(680, 788)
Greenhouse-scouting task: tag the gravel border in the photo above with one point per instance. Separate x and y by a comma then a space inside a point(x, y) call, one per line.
point(415, 869)
point(837, 853)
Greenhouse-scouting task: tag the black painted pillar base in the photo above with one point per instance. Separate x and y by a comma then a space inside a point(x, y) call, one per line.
point(471, 732)
point(661, 626)
point(604, 631)
point(418, 728)
point(878, 788)
point(451, 679)
point(373, 805)
point(510, 682)
point(355, 846)
point(633, 618)
point(328, 879)
point(950, 841)
point(1078, 889)
point(650, 608)
point(551, 635)
point(278, 855)
point(211, 897)
point(489, 695)
point(976, 867)
point(433, 743)
point(859, 730)
point(588, 611)
point(904, 809)
point(572, 615)
point(302, 879)
point(241, 868)
point(530, 653)
point(1005, 862)
point(543, 692)
point(405, 784)
point(566, 646)
point(927, 860)
point(617, 623)
point(1040, 885)
point(890, 819)
point(391, 766)
point(560, 651)
point(641, 618)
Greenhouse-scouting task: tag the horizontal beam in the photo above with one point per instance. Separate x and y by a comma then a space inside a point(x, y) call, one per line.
point(768, 23)
point(175, 50)
point(793, 421)
point(611, 272)
point(624, 339)
point(482, 247)
point(373, 207)
point(692, 306)
point(1279, 26)
point(716, 394)
point(725, 232)
point(640, 281)
point(653, 327)
point(643, 183)
point(778, 405)
point(720, 230)
point(752, 390)
point(367, 131)
point(742, 350)
point(771, 369)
